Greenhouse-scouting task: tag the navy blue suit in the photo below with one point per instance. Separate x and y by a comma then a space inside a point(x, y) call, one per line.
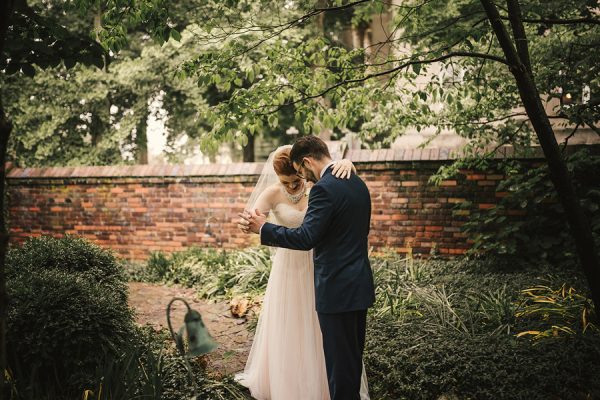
point(336, 226)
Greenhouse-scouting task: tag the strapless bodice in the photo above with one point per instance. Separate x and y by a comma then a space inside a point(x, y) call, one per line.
point(288, 216)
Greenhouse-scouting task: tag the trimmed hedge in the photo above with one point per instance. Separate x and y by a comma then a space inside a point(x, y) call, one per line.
point(67, 312)
point(449, 328)
point(404, 362)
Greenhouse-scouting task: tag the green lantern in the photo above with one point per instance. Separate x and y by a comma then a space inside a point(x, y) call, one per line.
point(199, 340)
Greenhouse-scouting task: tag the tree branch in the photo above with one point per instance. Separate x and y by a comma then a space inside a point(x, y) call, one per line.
point(569, 137)
point(516, 23)
point(387, 72)
point(338, 8)
point(514, 61)
point(555, 21)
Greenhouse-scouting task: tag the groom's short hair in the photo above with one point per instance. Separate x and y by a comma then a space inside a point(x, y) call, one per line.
point(309, 146)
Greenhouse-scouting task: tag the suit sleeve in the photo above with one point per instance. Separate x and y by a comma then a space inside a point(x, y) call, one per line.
point(307, 235)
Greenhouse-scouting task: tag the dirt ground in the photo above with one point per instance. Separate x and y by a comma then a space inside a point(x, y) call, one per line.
point(150, 302)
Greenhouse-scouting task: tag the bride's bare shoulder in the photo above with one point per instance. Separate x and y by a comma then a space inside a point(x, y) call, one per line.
point(272, 191)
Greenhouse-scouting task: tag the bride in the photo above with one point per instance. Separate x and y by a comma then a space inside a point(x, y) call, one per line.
point(286, 361)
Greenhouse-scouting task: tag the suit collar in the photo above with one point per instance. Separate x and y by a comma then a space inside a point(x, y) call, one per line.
point(326, 168)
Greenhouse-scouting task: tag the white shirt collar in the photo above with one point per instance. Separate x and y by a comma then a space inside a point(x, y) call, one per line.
point(325, 168)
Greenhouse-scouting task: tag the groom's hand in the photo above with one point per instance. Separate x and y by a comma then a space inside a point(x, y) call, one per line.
point(252, 222)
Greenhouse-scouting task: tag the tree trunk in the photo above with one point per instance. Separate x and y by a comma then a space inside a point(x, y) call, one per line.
point(5, 129)
point(141, 140)
point(249, 149)
point(6, 9)
point(559, 174)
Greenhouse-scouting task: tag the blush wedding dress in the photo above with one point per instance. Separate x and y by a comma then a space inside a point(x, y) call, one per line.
point(286, 361)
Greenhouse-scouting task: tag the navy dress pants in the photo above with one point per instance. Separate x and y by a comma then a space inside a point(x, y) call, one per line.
point(343, 343)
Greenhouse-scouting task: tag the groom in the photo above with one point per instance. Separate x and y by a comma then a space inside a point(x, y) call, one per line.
point(336, 226)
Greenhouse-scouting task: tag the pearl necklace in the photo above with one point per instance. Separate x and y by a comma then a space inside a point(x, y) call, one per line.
point(295, 198)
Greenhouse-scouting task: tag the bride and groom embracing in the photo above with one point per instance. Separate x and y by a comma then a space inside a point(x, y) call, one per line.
point(310, 335)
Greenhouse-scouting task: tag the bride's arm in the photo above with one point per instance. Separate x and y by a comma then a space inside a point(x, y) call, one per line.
point(343, 169)
point(264, 203)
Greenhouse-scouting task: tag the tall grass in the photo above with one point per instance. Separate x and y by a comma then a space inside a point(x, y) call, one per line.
point(214, 274)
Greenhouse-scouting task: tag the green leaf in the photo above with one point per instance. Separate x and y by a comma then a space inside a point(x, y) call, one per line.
point(273, 120)
point(176, 35)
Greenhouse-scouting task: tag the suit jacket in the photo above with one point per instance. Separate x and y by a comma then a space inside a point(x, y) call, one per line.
point(336, 226)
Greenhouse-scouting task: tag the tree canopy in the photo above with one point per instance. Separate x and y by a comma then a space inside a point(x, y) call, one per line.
point(440, 65)
point(240, 69)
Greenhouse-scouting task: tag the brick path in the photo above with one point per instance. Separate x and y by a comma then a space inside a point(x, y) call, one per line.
point(150, 302)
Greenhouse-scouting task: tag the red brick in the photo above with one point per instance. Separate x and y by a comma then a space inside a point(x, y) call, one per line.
point(486, 183)
point(475, 177)
point(448, 183)
point(461, 212)
point(410, 183)
point(516, 212)
point(137, 214)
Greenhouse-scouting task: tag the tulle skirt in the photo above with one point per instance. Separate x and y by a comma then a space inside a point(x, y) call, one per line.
point(286, 361)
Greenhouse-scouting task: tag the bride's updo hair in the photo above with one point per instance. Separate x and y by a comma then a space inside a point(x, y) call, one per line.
point(282, 163)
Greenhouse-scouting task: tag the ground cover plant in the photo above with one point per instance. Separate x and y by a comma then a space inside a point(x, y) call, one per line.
point(471, 327)
point(71, 333)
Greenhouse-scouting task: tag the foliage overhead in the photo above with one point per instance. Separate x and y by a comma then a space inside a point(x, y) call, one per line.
point(440, 65)
point(266, 66)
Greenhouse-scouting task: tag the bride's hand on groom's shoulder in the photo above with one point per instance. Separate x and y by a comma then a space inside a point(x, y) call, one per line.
point(343, 169)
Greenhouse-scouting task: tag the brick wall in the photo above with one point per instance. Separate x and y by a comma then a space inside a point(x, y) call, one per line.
point(138, 209)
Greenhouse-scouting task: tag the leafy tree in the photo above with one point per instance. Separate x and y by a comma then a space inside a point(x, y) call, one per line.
point(97, 116)
point(469, 66)
point(29, 37)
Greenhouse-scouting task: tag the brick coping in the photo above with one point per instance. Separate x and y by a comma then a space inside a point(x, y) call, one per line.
point(253, 169)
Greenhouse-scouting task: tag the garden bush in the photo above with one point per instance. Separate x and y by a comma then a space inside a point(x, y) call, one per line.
point(70, 254)
point(67, 312)
point(542, 232)
point(471, 327)
point(406, 361)
point(457, 328)
point(150, 368)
